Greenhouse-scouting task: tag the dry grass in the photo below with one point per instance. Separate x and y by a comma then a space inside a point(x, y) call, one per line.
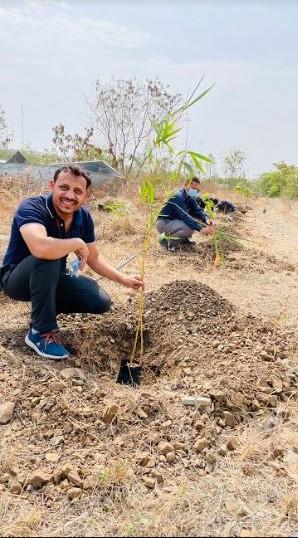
point(252, 491)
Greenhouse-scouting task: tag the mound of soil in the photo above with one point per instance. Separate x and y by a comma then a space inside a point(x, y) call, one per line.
point(206, 370)
point(189, 326)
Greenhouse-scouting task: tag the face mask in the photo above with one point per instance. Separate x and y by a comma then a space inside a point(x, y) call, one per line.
point(193, 193)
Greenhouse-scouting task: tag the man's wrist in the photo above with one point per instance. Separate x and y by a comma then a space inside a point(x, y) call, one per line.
point(120, 278)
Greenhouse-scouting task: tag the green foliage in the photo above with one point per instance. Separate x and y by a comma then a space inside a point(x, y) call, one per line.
point(167, 130)
point(283, 181)
point(209, 208)
point(244, 188)
point(117, 208)
point(222, 237)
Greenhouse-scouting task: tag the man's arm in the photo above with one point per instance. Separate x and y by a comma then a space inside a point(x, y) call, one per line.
point(49, 248)
point(181, 213)
point(197, 212)
point(101, 266)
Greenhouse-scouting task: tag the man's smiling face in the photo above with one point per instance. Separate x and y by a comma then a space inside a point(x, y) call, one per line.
point(69, 193)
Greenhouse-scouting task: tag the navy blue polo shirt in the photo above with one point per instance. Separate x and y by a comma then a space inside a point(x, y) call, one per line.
point(40, 209)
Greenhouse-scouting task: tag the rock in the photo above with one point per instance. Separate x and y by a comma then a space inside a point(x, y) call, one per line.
point(38, 478)
point(170, 457)
point(72, 373)
point(199, 402)
point(6, 412)
point(199, 425)
point(141, 413)
point(235, 399)
point(74, 493)
point(57, 476)
point(111, 411)
point(15, 488)
point(217, 395)
point(66, 468)
point(222, 451)
point(167, 424)
point(151, 463)
point(89, 482)
point(245, 533)
point(291, 464)
point(237, 507)
point(164, 447)
point(74, 478)
point(68, 427)
point(149, 482)
point(272, 400)
point(265, 356)
point(57, 440)
point(189, 400)
point(210, 458)
point(143, 458)
point(277, 385)
point(200, 444)
point(21, 478)
point(229, 419)
point(158, 476)
point(5, 478)
point(56, 386)
point(232, 443)
point(278, 451)
point(52, 457)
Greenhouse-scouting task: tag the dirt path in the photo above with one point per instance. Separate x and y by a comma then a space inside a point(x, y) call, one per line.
point(270, 292)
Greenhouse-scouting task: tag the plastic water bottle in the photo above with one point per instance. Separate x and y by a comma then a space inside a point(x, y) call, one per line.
point(74, 267)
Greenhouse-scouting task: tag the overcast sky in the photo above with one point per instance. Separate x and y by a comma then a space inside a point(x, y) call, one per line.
point(52, 53)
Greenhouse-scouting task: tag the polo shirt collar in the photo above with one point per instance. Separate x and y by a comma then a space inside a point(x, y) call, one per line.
point(77, 217)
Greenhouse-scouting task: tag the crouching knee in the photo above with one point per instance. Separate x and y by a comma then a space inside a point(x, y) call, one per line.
point(103, 303)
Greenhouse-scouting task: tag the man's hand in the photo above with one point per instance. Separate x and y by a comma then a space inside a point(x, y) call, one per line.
point(82, 253)
point(207, 230)
point(134, 282)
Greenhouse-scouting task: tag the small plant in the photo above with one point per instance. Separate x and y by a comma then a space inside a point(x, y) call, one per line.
point(164, 133)
point(147, 196)
point(221, 236)
point(117, 208)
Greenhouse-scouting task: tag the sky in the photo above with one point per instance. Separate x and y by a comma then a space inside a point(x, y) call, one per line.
point(52, 52)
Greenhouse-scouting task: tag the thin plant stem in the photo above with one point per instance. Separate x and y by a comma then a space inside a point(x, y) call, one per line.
point(140, 324)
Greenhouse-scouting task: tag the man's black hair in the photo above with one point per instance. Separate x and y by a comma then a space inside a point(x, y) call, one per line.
point(75, 171)
point(195, 179)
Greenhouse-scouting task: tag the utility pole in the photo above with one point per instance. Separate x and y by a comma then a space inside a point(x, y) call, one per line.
point(22, 124)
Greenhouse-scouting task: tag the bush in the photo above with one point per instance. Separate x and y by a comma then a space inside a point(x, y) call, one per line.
point(283, 181)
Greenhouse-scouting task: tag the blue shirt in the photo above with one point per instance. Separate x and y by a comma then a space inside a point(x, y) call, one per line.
point(183, 207)
point(40, 209)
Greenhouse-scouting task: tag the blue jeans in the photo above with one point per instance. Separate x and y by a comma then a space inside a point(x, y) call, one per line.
point(52, 291)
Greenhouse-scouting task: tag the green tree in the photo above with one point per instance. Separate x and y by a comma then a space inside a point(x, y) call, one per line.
point(283, 180)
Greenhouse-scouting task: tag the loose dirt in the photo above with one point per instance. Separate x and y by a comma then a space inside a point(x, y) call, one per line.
point(206, 442)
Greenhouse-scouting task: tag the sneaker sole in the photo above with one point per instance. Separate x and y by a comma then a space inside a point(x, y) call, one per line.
point(45, 355)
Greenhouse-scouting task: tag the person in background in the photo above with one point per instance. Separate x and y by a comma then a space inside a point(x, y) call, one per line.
point(45, 230)
point(181, 216)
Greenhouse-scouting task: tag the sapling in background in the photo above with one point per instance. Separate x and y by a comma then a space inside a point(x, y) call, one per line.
point(221, 235)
